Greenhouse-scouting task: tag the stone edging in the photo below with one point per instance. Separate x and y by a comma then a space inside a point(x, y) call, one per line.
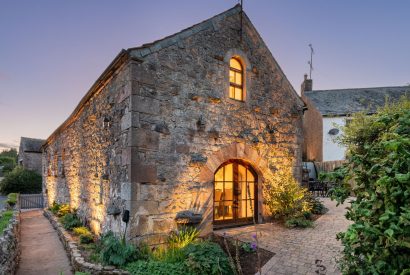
point(10, 245)
point(77, 260)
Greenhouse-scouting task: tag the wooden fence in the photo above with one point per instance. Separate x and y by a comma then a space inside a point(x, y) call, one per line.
point(29, 201)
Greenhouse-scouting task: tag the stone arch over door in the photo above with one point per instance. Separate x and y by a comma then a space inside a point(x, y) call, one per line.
point(236, 151)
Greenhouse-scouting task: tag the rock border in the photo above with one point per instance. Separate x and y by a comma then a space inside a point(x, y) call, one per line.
point(10, 244)
point(78, 262)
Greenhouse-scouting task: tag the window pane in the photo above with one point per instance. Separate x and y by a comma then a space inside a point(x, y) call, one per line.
point(250, 208)
point(232, 92)
point(234, 63)
point(219, 176)
point(218, 211)
point(229, 172)
point(228, 194)
point(238, 93)
point(242, 209)
point(218, 190)
point(250, 176)
point(238, 78)
point(231, 76)
point(228, 210)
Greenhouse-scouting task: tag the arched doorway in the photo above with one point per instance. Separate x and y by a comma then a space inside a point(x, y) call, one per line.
point(235, 194)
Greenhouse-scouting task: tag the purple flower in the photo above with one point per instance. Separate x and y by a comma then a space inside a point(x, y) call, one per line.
point(254, 246)
point(254, 236)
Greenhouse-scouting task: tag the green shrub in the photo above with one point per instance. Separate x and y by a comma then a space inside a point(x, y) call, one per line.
point(152, 267)
point(5, 220)
point(86, 238)
point(315, 205)
point(183, 237)
point(21, 181)
point(284, 196)
point(114, 251)
point(84, 234)
point(301, 222)
point(8, 163)
point(12, 199)
point(54, 208)
point(63, 210)
point(70, 221)
point(206, 258)
point(378, 154)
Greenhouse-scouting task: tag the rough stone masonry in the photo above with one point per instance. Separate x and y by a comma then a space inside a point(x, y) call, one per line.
point(151, 132)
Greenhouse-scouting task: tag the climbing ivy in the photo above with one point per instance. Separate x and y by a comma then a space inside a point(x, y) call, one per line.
point(378, 241)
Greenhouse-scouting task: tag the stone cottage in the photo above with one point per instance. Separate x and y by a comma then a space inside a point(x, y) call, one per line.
point(29, 156)
point(328, 109)
point(189, 124)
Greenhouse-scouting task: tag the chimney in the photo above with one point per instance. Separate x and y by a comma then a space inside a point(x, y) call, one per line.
point(307, 85)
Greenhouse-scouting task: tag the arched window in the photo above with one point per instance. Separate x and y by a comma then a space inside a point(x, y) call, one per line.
point(235, 193)
point(236, 79)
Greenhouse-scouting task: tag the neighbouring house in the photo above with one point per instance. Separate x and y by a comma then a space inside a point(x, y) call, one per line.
point(30, 154)
point(330, 109)
point(184, 129)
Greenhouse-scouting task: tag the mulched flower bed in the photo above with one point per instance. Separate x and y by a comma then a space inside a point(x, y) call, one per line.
point(248, 260)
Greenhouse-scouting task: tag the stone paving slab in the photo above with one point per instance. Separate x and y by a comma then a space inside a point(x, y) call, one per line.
point(300, 251)
point(42, 253)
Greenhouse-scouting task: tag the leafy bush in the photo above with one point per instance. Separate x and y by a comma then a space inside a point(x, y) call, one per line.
point(63, 210)
point(195, 258)
point(21, 181)
point(70, 220)
point(8, 163)
point(5, 220)
point(157, 268)
point(378, 241)
point(206, 258)
point(284, 196)
point(183, 237)
point(84, 234)
point(315, 205)
point(301, 222)
point(54, 208)
point(12, 199)
point(114, 251)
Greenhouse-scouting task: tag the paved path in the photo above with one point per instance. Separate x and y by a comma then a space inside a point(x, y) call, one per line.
point(300, 251)
point(42, 253)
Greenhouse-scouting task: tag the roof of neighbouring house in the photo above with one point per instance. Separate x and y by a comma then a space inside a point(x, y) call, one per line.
point(342, 102)
point(31, 144)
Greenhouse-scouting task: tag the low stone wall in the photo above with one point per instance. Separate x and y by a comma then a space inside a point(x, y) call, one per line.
point(10, 245)
point(77, 260)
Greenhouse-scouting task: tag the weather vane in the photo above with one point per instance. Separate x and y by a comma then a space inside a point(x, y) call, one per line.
point(311, 61)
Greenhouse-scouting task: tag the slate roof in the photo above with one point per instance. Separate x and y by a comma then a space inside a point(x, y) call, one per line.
point(31, 144)
point(347, 101)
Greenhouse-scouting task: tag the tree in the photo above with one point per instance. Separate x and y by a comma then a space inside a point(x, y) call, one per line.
point(21, 181)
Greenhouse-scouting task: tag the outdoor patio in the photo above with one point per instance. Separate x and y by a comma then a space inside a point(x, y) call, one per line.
point(299, 251)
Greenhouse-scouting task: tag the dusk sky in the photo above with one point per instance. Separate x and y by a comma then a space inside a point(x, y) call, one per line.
point(52, 51)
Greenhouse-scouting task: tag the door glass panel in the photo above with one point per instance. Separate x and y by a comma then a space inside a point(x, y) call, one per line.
point(242, 209)
point(250, 176)
point(218, 211)
point(228, 210)
point(228, 194)
point(219, 176)
point(231, 92)
point(229, 172)
point(219, 186)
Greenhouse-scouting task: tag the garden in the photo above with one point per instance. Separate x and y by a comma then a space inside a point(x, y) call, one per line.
point(183, 253)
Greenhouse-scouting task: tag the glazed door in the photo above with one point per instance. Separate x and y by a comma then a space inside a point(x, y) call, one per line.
point(234, 194)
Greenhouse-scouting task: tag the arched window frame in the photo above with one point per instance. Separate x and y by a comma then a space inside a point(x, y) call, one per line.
point(236, 79)
point(246, 72)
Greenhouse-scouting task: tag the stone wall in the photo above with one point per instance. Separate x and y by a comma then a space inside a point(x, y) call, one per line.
point(84, 163)
point(185, 125)
point(32, 161)
point(10, 246)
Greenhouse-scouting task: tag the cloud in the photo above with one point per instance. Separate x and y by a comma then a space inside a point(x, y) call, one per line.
point(6, 146)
